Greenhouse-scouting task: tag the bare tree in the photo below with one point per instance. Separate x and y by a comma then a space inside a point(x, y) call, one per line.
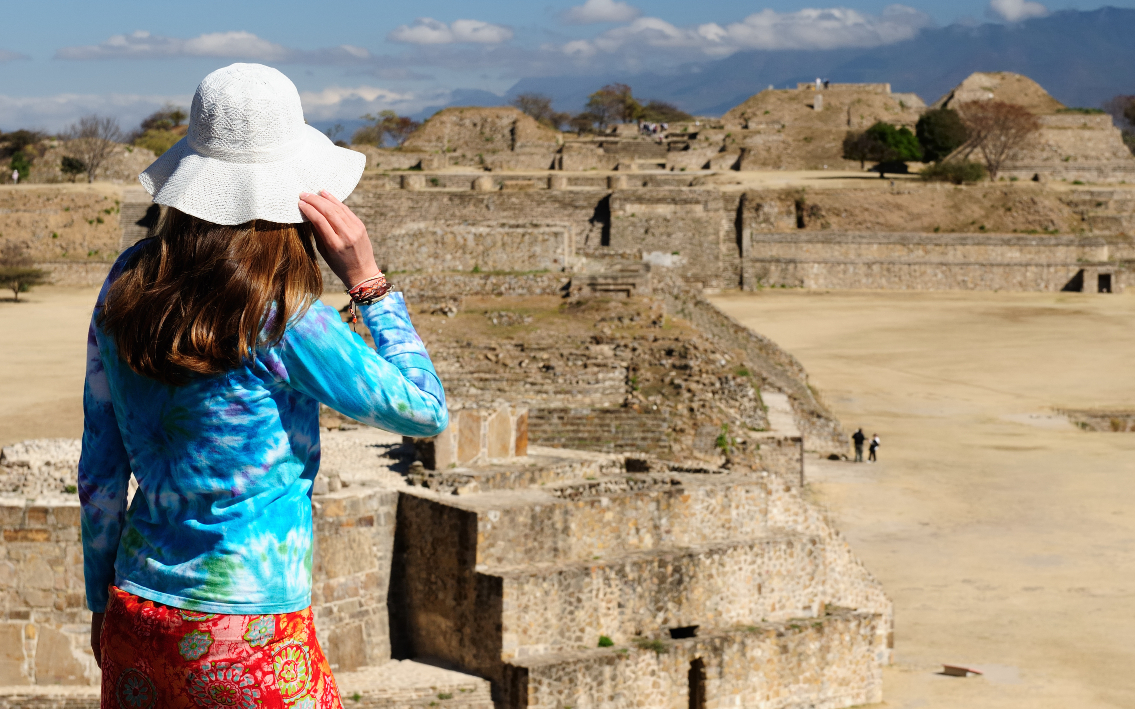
point(539, 106)
point(92, 140)
point(997, 130)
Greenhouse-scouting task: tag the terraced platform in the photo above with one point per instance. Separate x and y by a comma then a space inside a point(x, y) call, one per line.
point(586, 585)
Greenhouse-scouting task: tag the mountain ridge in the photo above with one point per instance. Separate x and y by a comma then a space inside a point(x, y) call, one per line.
point(1082, 58)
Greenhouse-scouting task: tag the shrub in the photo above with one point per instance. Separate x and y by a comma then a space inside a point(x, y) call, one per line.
point(157, 140)
point(73, 167)
point(605, 641)
point(957, 171)
point(940, 132)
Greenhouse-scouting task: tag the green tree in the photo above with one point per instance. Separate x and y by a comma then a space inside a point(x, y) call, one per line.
point(889, 147)
point(902, 144)
point(72, 167)
point(17, 270)
point(21, 164)
point(940, 132)
point(857, 145)
point(614, 103)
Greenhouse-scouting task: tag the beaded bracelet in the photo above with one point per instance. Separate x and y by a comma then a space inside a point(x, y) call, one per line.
point(370, 290)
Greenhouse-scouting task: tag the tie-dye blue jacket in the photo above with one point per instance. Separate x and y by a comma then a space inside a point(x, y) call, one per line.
point(221, 521)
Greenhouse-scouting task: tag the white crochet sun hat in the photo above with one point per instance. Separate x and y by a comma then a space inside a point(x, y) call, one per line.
point(248, 153)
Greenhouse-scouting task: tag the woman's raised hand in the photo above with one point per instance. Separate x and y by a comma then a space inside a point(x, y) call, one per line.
point(340, 237)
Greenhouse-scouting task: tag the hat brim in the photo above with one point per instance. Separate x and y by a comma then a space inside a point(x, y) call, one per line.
point(233, 193)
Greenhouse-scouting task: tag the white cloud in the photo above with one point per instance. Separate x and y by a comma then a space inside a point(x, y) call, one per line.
point(596, 11)
point(1016, 10)
point(805, 29)
point(426, 30)
point(224, 45)
point(6, 56)
point(55, 113)
point(337, 102)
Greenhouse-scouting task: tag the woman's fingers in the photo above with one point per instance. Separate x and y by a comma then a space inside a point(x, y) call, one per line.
point(340, 218)
point(323, 229)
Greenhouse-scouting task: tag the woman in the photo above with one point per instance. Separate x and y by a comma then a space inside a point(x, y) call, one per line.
point(208, 357)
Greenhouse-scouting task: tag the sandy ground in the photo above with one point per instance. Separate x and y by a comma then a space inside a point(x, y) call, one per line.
point(1003, 534)
point(42, 355)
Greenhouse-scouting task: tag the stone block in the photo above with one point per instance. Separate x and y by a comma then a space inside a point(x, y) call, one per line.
point(520, 426)
point(484, 183)
point(58, 658)
point(13, 669)
point(499, 437)
point(469, 435)
point(413, 182)
point(345, 647)
point(558, 182)
point(27, 535)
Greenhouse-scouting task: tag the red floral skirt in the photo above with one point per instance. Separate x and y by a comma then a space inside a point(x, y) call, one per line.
point(157, 657)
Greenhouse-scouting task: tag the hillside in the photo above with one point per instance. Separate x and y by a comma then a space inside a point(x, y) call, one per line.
point(1082, 58)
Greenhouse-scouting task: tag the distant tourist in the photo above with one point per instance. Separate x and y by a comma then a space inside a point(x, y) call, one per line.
point(875, 443)
point(818, 83)
point(858, 439)
point(209, 355)
point(15, 176)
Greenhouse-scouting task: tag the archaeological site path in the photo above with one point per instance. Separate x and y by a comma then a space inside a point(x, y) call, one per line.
point(1003, 534)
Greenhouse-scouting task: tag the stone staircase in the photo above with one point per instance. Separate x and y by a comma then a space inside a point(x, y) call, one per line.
point(1105, 211)
point(138, 215)
point(580, 584)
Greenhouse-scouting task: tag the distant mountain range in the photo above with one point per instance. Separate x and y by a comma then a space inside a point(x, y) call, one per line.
point(1082, 58)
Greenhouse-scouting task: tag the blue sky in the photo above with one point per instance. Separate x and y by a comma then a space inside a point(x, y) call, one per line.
point(59, 60)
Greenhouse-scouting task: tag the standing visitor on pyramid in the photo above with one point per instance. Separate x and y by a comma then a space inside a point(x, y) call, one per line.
point(208, 357)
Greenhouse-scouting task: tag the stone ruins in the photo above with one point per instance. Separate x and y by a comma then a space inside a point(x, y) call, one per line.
point(617, 515)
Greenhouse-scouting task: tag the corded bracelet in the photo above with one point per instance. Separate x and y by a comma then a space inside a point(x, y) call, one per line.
point(370, 290)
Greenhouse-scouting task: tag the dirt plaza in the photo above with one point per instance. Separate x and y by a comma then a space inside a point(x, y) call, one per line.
point(1002, 532)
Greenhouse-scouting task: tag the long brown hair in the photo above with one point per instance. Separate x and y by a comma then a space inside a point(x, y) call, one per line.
point(200, 298)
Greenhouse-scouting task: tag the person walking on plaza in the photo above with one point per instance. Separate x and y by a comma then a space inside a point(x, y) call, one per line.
point(875, 443)
point(15, 176)
point(857, 438)
point(208, 357)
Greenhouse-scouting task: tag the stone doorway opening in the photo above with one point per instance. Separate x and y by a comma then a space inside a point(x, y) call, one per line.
point(697, 684)
point(1104, 283)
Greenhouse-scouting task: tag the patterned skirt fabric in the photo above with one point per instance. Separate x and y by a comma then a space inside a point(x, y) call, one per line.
point(154, 656)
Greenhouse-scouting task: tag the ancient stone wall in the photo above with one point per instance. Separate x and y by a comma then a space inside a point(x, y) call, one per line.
point(828, 662)
point(45, 625)
point(45, 631)
point(924, 261)
point(354, 543)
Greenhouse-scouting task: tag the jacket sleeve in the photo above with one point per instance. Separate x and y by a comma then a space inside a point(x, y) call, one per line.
point(395, 388)
point(104, 473)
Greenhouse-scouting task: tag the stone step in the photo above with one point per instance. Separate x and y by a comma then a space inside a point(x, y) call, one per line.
point(1110, 223)
point(828, 662)
point(49, 697)
point(552, 608)
point(616, 514)
point(542, 467)
point(412, 685)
